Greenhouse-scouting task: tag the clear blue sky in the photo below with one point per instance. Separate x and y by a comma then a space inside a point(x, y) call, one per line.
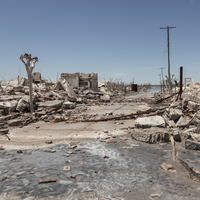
point(118, 39)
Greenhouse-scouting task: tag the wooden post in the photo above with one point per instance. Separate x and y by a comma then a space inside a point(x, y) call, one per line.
point(181, 81)
point(29, 73)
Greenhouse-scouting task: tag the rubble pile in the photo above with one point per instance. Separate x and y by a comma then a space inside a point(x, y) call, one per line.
point(53, 102)
point(181, 120)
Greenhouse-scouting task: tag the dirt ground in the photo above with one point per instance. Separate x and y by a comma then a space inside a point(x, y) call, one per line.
point(124, 169)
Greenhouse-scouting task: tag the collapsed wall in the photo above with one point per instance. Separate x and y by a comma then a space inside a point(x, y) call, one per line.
point(82, 80)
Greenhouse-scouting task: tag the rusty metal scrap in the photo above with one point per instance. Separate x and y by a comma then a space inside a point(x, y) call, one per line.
point(160, 100)
point(117, 117)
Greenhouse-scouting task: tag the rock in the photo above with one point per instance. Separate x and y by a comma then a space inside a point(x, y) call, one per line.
point(152, 121)
point(15, 122)
point(72, 147)
point(68, 105)
point(198, 128)
point(48, 180)
point(173, 113)
point(80, 162)
point(105, 98)
point(155, 196)
point(66, 168)
point(150, 136)
point(196, 119)
point(192, 105)
point(72, 99)
point(81, 100)
point(166, 166)
point(50, 104)
point(111, 141)
point(48, 142)
point(195, 137)
point(11, 105)
point(4, 131)
point(176, 105)
point(182, 122)
point(177, 136)
point(168, 122)
point(23, 104)
point(190, 97)
point(189, 144)
point(50, 150)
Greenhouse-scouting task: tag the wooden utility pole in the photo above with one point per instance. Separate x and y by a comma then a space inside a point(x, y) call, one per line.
point(162, 77)
point(181, 81)
point(29, 73)
point(160, 82)
point(169, 76)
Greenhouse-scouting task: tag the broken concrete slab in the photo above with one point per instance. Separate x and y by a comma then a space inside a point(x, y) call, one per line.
point(192, 105)
point(4, 131)
point(173, 113)
point(182, 122)
point(176, 136)
point(68, 105)
point(196, 119)
point(195, 137)
point(15, 122)
point(65, 86)
point(105, 98)
point(152, 121)
point(150, 135)
point(50, 104)
point(194, 145)
point(11, 105)
point(23, 104)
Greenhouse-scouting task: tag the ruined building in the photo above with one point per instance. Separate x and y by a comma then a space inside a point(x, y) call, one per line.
point(81, 80)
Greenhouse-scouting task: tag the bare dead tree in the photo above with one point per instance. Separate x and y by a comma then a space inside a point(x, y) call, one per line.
point(29, 70)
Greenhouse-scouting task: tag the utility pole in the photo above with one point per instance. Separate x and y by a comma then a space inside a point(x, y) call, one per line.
point(162, 77)
point(160, 82)
point(169, 76)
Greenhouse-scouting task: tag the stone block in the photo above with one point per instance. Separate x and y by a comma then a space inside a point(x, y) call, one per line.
point(23, 104)
point(15, 122)
point(4, 131)
point(177, 136)
point(182, 122)
point(50, 104)
point(195, 137)
point(150, 136)
point(68, 105)
point(105, 98)
point(196, 119)
point(152, 121)
point(173, 113)
point(194, 145)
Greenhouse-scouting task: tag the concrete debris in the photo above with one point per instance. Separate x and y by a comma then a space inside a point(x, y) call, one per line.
point(189, 144)
point(72, 99)
point(152, 121)
point(68, 105)
point(150, 135)
point(173, 114)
